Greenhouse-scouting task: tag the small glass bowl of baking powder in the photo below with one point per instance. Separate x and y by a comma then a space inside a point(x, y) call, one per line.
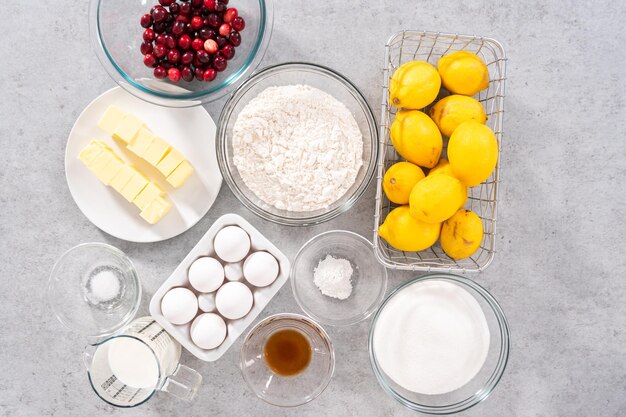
point(321, 262)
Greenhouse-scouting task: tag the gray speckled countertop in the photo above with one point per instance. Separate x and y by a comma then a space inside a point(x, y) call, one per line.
point(558, 273)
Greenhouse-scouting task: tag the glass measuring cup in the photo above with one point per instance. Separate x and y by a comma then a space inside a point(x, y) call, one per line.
point(127, 369)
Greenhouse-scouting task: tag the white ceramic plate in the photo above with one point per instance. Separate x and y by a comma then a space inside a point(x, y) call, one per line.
point(190, 130)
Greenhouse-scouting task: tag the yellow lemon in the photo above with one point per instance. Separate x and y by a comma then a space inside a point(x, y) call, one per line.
point(461, 234)
point(436, 198)
point(463, 72)
point(414, 85)
point(451, 111)
point(443, 167)
point(416, 138)
point(472, 152)
point(404, 232)
point(399, 180)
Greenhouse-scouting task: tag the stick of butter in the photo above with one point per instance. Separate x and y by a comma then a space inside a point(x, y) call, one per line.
point(178, 177)
point(155, 210)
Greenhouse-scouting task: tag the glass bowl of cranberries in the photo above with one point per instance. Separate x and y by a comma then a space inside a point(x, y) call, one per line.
point(180, 53)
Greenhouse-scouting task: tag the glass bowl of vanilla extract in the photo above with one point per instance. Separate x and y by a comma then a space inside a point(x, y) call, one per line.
point(287, 360)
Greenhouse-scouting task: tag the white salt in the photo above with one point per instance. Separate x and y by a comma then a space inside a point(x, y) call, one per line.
point(104, 286)
point(332, 276)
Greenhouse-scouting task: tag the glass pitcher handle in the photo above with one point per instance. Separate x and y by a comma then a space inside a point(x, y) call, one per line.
point(88, 356)
point(183, 383)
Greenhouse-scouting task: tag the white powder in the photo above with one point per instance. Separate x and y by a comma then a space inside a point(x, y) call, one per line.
point(297, 148)
point(332, 277)
point(432, 337)
point(104, 285)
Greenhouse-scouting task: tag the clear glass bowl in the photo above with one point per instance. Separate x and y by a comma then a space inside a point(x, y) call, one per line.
point(477, 389)
point(116, 36)
point(94, 289)
point(287, 391)
point(369, 279)
point(316, 76)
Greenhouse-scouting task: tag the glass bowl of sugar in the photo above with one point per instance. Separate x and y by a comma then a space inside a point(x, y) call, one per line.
point(439, 344)
point(94, 289)
point(336, 279)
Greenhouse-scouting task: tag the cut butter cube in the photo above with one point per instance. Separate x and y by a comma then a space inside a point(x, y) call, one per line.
point(90, 153)
point(178, 177)
point(111, 119)
point(148, 194)
point(156, 210)
point(156, 151)
point(134, 186)
point(170, 162)
point(107, 172)
point(129, 127)
point(139, 144)
point(122, 177)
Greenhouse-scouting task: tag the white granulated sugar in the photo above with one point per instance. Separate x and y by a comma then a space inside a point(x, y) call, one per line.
point(297, 148)
point(432, 337)
point(332, 277)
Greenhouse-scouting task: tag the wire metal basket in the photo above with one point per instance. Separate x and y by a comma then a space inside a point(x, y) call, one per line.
point(408, 46)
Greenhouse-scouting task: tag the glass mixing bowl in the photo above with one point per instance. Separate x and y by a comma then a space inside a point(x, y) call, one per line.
point(117, 35)
point(316, 76)
point(287, 391)
point(94, 289)
point(369, 278)
point(483, 383)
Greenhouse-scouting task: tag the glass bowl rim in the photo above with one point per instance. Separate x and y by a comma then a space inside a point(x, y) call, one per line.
point(356, 318)
point(496, 375)
point(312, 324)
point(221, 143)
point(116, 252)
point(125, 81)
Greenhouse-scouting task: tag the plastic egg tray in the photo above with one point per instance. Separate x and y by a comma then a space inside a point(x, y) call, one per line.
point(179, 278)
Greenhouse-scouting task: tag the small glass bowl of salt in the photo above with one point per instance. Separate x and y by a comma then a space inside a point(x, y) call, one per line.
point(94, 289)
point(336, 279)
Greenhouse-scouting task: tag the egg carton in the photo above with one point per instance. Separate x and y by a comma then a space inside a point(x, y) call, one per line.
point(179, 278)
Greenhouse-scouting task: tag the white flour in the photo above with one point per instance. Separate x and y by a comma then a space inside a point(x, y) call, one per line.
point(432, 337)
point(332, 277)
point(297, 148)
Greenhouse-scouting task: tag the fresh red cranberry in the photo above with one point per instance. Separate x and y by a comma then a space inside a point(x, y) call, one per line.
point(170, 41)
point(235, 38)
point(210, 46)
point(209, 74)
point(174, 8)
point(150, 60)
point(197, 22)
point(173, 74)
point(185, 9)
point(199, 73)
point(146, 48)
point(220, 6)
point(189, 30)
point(148, 35)
point(219, 63)
point(160, 72)
point(197, 44)
point(224, 29)
point(146, 21)
point(209, 4)
point(203, 57)
point(159, 51)
point(166, 3)
point(178, 28)
point(230, 14)
point(159, 14)
point(186, 73)
point(221, 41)
point(181, 18)
point(196, 62)
point(196, 3)
point(173, 55)
point(160, 39)
point(184, 42)
point(159, 27)
point(206, 33)
point(228, 51)
point(238, 23)
point(187, 58)
point(214, 20)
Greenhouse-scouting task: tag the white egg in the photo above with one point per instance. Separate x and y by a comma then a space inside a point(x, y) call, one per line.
point(232, 244)
point(233, 300)
point(179, 305)
point(233, 272)
point(206, 302)
point(260, 269)
point(206, 274)
point(208, 331)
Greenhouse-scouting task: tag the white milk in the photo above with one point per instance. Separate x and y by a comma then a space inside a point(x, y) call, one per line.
point(133, 363)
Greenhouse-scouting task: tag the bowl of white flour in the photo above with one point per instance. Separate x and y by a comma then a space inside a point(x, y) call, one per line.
point(439, 344)
point(297, 144)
